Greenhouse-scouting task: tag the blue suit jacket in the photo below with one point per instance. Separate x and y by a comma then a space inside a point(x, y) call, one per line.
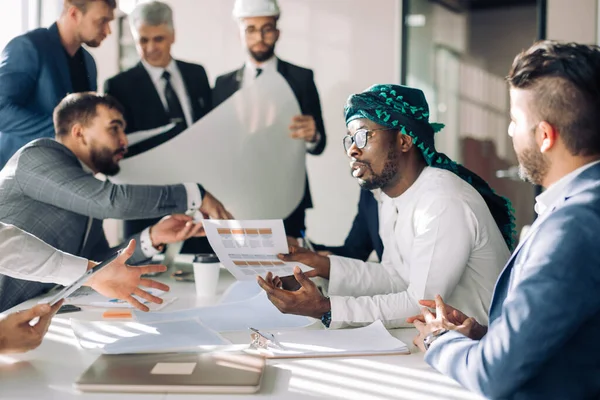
point(364, 235)
point(542, 341)
point(34, 78)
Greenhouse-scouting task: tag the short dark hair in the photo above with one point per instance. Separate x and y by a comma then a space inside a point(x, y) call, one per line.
point(83, 4)
point(565, 80)
point(81, 108)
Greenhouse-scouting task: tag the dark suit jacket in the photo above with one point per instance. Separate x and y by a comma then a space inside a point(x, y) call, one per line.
point(143, 108)
point(34, 78)
point(364, 235)
point(545, 310)
point(301, 81)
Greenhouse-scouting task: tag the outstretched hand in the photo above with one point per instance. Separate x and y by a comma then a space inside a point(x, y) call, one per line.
point(121, 281)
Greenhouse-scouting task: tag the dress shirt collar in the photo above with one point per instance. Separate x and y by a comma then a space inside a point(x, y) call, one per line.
point(156, 72)
point(555, 191)
point(268, 66)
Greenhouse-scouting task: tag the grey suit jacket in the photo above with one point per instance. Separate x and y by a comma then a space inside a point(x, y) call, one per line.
point(45, 191)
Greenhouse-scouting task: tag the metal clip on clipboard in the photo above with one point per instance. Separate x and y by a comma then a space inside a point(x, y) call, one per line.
point(263, 340)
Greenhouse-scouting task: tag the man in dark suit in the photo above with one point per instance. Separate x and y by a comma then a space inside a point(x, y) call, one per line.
point(40, 67)
point(259, 33)
point(159, 89)
point(364, 235)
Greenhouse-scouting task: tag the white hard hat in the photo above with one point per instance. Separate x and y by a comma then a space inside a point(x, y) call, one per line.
point(255, 8)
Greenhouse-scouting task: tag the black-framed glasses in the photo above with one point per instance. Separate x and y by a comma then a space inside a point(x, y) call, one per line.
point(360, 137)
point(267, 31)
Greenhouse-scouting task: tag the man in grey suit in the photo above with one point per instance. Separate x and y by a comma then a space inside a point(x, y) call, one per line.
point(48, 189)
point(540, 341)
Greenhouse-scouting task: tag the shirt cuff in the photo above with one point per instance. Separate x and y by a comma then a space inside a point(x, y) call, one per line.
point(336, 275)
point(194, 197)
point(310, 146)
point(71, 269)
point(146, 244)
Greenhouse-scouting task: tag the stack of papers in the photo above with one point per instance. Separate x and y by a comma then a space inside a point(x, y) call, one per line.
point(370, 340)
point(135, 337)
point(257, 312)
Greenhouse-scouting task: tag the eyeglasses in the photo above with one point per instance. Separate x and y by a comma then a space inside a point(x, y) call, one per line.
point(266, 31)
point(360, 137)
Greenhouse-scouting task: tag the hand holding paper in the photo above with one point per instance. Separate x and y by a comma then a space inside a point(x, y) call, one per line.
point(320, 264)
point(175, 228)
point(303, 127)
point(24, 330)
point(120, 281)
point(213, 208)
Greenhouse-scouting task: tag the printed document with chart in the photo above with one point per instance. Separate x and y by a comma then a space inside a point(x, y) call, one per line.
point(250, 248)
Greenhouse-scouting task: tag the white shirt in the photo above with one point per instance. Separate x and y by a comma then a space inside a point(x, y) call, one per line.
point(554, 191)
point(439, 237)
point(24, 256)
point(177, 83)
point(268, 67)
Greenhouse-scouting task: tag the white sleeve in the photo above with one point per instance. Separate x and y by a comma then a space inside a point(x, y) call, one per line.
point(351, 277)
point(24, 256)
point(445, 235)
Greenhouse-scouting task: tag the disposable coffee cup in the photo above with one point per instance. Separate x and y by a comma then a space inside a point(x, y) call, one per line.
point(206, 274)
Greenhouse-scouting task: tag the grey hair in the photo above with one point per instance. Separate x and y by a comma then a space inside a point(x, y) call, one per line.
point(151, 13)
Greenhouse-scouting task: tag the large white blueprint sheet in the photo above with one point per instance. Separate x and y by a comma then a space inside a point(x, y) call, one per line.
point(241, 152)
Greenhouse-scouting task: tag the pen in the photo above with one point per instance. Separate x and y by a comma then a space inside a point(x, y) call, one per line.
point(307, 242)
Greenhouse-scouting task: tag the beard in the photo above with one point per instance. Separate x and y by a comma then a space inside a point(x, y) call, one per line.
point(262, 56)
point(533, 166)
point(389, 172)
point(103, 160)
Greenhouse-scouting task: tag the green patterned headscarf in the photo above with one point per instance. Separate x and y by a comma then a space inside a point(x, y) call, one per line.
point(405, 108)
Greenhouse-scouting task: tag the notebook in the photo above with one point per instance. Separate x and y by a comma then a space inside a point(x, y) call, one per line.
point(224, 372)
point(368, 341)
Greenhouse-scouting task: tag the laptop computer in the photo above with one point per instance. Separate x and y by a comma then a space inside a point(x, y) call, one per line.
point(215, 372)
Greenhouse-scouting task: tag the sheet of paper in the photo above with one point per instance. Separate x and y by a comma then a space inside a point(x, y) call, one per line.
point(88, 297)
point(250, 248)
point(240, 291)
point(139, 136)
point(136, 337)
point(258, 312)
point(372, 339)
point(241, 152)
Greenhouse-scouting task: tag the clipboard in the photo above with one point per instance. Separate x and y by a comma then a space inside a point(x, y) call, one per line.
point(372, 340)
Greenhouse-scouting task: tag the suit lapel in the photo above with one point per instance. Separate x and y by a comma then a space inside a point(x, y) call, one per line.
point(195, 98)
point(60, 61)
point(147, 91)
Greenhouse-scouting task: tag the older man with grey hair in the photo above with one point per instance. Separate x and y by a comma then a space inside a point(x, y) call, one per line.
point(159, 90)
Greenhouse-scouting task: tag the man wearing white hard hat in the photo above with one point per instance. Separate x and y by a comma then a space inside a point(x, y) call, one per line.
point(257, 20)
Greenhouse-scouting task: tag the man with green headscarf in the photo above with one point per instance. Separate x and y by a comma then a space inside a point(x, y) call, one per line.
point(443, 228)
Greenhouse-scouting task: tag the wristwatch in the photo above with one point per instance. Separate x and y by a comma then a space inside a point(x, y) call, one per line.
point(430, 338)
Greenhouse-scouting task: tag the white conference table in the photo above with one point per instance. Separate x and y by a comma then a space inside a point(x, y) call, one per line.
point(49, 371)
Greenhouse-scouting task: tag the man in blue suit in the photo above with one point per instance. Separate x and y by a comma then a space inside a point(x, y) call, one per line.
point(540, 342)
point(40, 67)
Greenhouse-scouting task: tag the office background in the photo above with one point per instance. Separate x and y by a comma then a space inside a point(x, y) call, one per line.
point(457, 51)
